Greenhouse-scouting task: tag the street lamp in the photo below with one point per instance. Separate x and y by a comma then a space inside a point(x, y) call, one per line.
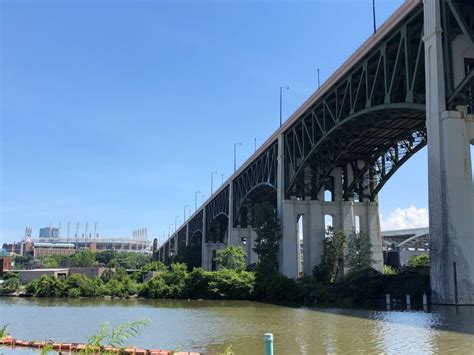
point(175, 222)
point(281, 96)
point(184, 212)
point(235, 155)
point(196, 200)
point(169, 229)
point(212, 180)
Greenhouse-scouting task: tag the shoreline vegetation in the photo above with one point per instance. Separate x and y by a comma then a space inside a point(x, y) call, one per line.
point(344, 277)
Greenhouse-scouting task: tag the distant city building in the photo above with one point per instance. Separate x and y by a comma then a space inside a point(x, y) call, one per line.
point(49, 232)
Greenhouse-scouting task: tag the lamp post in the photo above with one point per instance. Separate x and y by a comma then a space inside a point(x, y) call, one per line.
point(196, 200)
point(319, 83)
point(212, 181)
point(373, 14)
point(184, 212)
point(235, 155)
point(222, 178)
point(176, 223)
point(169, 229)
point(281, 99)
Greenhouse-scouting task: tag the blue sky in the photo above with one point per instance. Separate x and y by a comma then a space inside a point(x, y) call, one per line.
point(118, 111)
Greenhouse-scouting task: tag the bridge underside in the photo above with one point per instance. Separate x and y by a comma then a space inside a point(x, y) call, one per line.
point(351, 137)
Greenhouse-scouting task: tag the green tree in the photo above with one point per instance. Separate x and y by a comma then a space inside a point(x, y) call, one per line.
point(232, 257)
point(332, 261)
point(85, 258)
point(267, 246)
point(359, 253)
point(422, 260)
point(49, 262)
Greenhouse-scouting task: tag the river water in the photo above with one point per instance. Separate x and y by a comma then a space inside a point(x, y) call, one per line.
point(212, 326)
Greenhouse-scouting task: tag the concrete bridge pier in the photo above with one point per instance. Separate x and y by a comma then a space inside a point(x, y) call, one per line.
point(451, 201)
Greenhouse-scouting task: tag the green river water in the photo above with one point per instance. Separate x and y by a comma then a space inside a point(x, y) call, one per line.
point(211, 326)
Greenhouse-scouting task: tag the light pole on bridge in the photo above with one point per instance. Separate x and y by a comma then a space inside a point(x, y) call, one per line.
point(235, 155)
point(184, 212)
point(196, 200)
point(287, 87)
point(169, 229)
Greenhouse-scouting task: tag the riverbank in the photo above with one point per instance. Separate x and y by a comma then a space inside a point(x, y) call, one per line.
point(361, 289)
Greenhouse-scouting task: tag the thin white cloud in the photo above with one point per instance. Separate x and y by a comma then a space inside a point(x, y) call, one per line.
point(405, 218)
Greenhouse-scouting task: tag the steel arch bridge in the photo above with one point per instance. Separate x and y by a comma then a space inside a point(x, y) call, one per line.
point(352, 135)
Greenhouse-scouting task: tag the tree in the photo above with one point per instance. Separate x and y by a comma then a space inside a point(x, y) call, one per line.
point(332, 261)
point(267, 246)
point(232, 257)
point(422, 260)
point(85, 258)
point(359, 253)
point(49, 262)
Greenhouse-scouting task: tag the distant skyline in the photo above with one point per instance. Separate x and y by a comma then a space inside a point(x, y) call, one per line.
point(118, 112)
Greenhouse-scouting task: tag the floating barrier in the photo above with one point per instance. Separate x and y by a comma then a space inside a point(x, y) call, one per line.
point(70, 348)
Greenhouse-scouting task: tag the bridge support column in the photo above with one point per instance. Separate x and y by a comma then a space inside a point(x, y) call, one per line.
point(204, 245)
point(450, 178)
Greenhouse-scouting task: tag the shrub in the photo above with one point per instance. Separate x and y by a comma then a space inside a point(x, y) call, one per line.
point(10, 286)
point(74, 293)
point(176, 280)
point(155, 288)
point(388, 270)
point(197, 283)
point(47, 286)
point(231, 284)
point(422, 260)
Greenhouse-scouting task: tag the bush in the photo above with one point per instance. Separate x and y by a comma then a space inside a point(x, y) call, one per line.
point(10, 275)
point(231, 284)
point(176, 280)
point(47, 286)
point(155, 288)
point(10, 286)
point(74, 293)
point(197, 283)
point(422, 260)
point(388, 270)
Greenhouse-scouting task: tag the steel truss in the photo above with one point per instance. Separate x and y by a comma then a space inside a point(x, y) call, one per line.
point(195, 225)
point(377, 107)
point(262, 172)
point(217, 214)
point(458, 18)
point(181, 240)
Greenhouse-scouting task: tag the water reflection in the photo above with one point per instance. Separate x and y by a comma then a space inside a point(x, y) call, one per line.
point(213, 325)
